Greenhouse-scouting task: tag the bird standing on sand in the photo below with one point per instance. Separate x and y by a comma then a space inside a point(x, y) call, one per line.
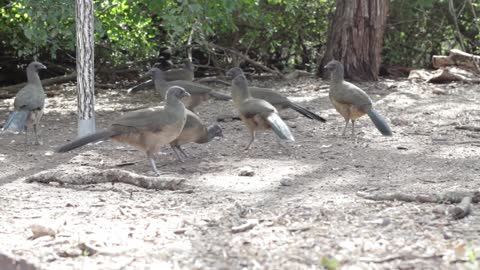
point(352, 102)
point(257, 114)
point(194, 131)
point(28, 104)
point(277, 100)
point(146, 130)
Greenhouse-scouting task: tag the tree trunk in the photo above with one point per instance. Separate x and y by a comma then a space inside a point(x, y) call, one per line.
point(356, 37)
point(85, 71)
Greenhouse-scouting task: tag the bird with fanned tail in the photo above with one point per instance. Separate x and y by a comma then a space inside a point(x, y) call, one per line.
point(28, 105)
point(257, 114)
point(352, 102)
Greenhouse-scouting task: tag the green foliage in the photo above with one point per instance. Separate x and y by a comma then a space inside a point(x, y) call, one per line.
point(330, 264)
point(417, 30)
point(39, 26)
point(134, 30)
point(286, 33)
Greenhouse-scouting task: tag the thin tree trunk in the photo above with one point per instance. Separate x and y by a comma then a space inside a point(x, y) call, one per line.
point(356, 37)
point(85, 71)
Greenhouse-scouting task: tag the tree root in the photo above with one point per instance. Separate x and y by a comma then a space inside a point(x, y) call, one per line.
point(461, 210)
point(85, 175)
point(469, 128)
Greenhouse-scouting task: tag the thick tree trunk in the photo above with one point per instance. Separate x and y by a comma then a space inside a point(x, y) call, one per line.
point(356, 37)
point(85, 71)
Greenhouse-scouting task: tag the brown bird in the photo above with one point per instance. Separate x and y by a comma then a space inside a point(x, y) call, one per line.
point(198, 92)
point(277, 100)
point(146, 130)
point(257, 114)
point(28, 104)
point(185, 74)
point(194, 131)
point(352, 102)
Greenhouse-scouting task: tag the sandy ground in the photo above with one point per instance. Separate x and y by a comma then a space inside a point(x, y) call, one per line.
point(300, 207)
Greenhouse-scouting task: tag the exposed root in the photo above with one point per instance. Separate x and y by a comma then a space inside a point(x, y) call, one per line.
point(86, 175)
point(461, 210)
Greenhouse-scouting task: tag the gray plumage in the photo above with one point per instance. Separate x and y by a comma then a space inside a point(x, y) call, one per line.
point(28, 105)
point(146, 130)
point(352, 102)
point(185, 73)
point(198, 92)
point(257, 114)
point(279, 101)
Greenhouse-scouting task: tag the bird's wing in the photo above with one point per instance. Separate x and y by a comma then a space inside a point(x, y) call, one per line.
point(256, 106)
point(30, 97)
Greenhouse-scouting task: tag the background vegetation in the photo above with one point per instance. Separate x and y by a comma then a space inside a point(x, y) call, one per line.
point(286, 34)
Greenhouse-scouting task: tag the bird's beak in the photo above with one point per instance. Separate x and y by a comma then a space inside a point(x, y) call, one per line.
point(42, 67)
point(185, 94)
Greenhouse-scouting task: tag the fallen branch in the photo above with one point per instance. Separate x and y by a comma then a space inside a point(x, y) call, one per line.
point(46, 82)
point(462, 209)
point(248, 59)
point(470, 128)
point(250, 224)
point(447, 197)
point(457, 58)
point(86, 175)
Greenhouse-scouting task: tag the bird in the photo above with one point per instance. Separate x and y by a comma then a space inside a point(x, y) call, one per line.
point(146, 130)
point(28, 104)
point(257, 114)
point(277, 100)
point(194, 131)
point(185, 73)
point(198, 93)
point(352, 102)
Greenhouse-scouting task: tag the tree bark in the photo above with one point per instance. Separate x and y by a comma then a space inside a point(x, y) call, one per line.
point(85, 68)
point(356, 37)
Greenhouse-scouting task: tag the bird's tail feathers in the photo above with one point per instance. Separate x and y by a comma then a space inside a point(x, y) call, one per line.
point(279, 127)
point(219, 96)
point(145, 85)
point(95, 137)
point(307, 113)
point(16, 121)
point(380, 123)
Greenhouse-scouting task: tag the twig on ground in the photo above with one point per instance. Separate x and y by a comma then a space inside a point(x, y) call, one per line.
point(86, 175)
point(463, 198)
point(470, 128)
point(462, 209)
point(447, 197)
point(250, 224)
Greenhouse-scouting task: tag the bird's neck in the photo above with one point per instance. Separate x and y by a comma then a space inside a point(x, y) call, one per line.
point(33, 78)
point(173, 103)
point(337, 76)
point(240, 94)
point(160, 85)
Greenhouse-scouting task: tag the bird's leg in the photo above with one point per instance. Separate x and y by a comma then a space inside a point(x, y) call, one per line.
point(345, 127)
point(152, 163)
point(174, 148)
point(182, 151)
point(252, 138)
point(353, 128)
point(35, 132)
point(26, 135)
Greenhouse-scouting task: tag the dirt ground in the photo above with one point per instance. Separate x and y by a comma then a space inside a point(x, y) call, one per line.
point(300, 208)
